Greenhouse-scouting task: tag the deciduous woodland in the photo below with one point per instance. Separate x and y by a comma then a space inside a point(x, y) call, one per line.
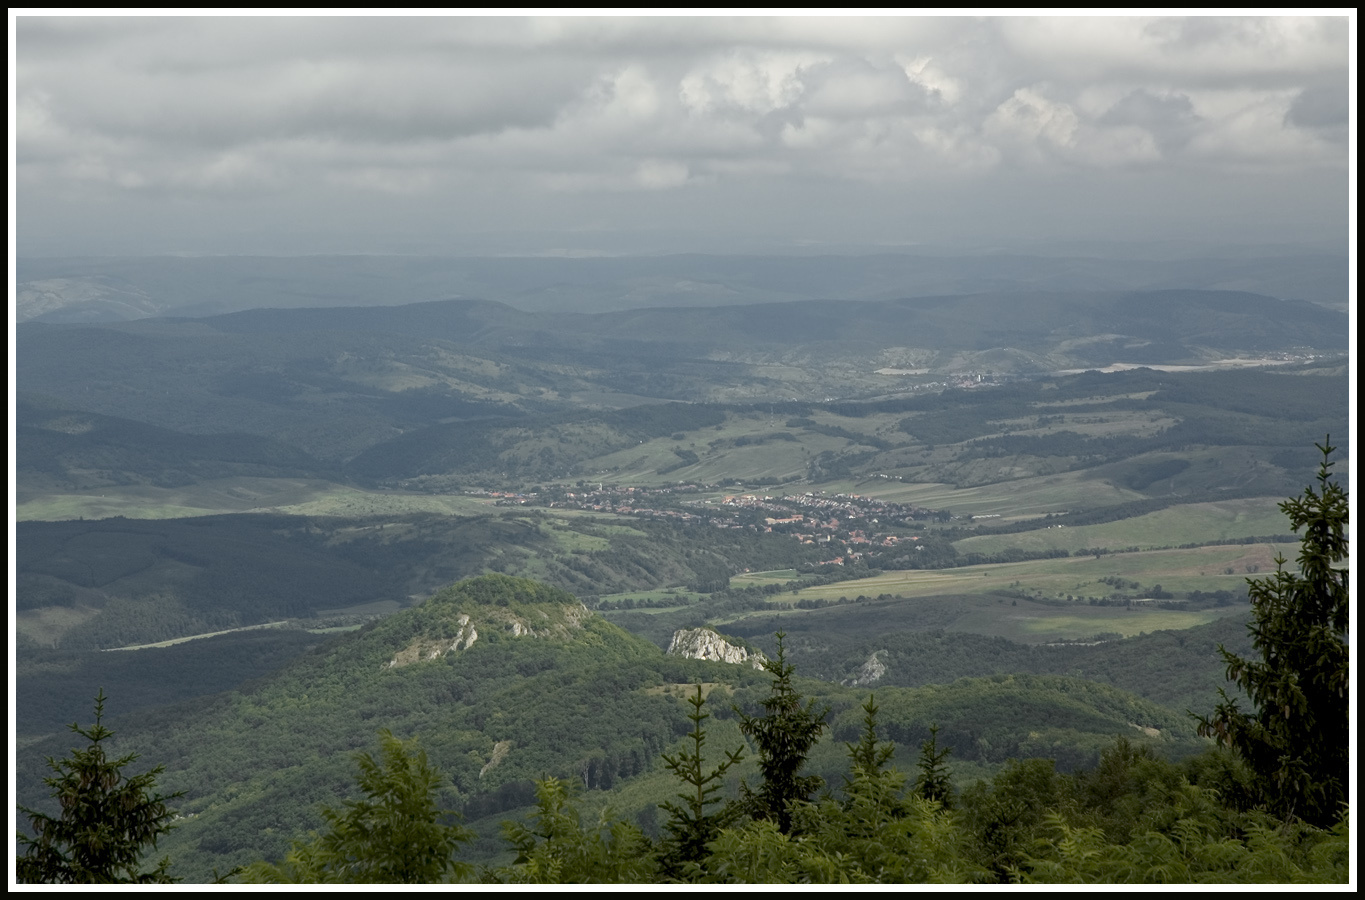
point(1266, 804)
point(420, 566)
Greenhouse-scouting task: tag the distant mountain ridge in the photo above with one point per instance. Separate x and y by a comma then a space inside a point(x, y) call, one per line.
point(124, 288)
point(1224, 320)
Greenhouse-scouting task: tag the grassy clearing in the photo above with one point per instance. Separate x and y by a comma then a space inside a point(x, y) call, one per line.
point(1023, 497)
point(1186, 524)
point(570, 541)
point(1033, 623)
point(1203, 569)
point(758, 579)
point(232, 495)
point(346, 501)
point(47, 625)
point(101, 506)
point(1018, 619)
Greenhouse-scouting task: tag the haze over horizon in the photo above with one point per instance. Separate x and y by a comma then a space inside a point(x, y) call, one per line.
point(649, 135)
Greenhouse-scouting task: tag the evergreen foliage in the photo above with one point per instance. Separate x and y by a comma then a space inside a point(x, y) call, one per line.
point(558, 849)
point(394, 835)
point(107, 821)
point(869, 757)
point(785, 734)
point(1193, 850)
point(690, 826)
point(1297, 739)
point(935, 781)
point(876, 835)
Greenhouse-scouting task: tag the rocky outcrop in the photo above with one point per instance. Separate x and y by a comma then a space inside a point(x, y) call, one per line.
point(703, 643)
point(869, 672)
point(434, 648)
point(499, 754)
point(542, 620)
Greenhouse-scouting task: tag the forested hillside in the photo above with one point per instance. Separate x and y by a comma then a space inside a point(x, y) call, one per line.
point(1034, 570)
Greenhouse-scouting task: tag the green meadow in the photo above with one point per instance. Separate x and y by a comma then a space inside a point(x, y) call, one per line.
point(1016, 618)
point(306, 497)
point(1202, 568)
point(1191, 523)
point(1019, 498)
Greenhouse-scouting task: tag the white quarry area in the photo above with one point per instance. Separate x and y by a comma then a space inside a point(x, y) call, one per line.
point(703, 643)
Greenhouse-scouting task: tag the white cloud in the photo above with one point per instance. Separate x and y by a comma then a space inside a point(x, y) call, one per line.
point(414, 107)
point(746, 82)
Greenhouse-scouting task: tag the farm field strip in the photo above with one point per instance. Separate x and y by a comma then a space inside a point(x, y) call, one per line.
point(1202, 568)
point(1186, 524)
point(1033, 496)
point(289, 496)
point(1079, 622)
point(1021, 620)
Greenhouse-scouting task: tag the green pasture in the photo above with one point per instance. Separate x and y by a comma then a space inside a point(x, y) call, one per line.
point(353, 502)
point(570, 541)
point(1016, 618)
point(294, 496)
point(1019, 498)
point(1203, 568)
point(1186, 524)
point(53, 508)
point(1031, 622)
point(759, 579)
point(46, 625)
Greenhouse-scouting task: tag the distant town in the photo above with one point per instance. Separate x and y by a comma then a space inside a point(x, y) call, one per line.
point(848, 523)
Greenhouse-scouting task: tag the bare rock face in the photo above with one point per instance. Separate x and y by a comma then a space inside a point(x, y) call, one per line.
point(869, 672)
point(703, 643)
point(537, 621)
point(432, 648)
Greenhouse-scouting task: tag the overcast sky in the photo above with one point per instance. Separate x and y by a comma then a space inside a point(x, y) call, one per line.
point(593, 135)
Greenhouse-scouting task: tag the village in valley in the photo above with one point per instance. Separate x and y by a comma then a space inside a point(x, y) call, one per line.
point(849, 524)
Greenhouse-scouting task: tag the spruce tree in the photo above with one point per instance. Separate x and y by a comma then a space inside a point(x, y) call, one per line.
point(107, 821)
point(691, 826)
point(396, 834)
point(935, 781)
point(1297, 738)
point(785, 734)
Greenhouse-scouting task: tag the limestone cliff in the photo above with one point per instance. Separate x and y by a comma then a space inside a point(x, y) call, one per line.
point(703, 643)
point(869, 672)
point(490, 605)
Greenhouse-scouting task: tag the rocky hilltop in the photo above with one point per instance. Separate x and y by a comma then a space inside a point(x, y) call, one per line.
point(451, 620)
point(703, 643)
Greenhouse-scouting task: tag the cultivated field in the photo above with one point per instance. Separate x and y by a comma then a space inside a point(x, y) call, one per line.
point(1203, 568)
point(1187, 524)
